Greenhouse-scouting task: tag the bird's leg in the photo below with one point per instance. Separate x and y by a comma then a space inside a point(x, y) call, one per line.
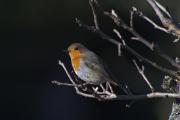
point(108, 85)
point(96, 93)
point(102, 91)
point(95, 89)
point(102, 87)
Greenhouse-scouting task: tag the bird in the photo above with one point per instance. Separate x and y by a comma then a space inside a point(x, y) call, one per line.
point(89, 67)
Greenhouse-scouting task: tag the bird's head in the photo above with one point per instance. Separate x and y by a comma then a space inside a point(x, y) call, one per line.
point(76, 50)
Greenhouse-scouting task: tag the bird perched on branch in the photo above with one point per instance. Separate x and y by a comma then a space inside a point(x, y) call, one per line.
point(88, 66)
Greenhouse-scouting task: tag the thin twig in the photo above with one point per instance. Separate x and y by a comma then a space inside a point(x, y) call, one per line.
point(153, 64)
point(119, 45)
point(100, 33)
point(132, 51)
point(72, 81)
point(106, 95)
point(154, 47)
point(94, 14)
point(131, 18)
point(163, 9)
point(141, 72)
point(120, 23)
point(140, 14)
point(167, 22)
point(67, 84)
point(167, 58)
point(120, 37)
point(158, 50)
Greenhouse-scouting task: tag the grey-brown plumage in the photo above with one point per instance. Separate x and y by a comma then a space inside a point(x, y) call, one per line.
point(89, 67)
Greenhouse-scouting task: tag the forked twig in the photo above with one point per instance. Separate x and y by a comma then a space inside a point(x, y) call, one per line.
point(141, 72)
point(167, 22)
point(106, 95)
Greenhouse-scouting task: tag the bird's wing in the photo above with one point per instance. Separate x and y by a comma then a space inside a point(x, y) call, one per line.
point(99, 63)
point(97, 66)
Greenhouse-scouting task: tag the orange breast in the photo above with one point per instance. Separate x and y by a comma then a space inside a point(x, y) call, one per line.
point(75, 59)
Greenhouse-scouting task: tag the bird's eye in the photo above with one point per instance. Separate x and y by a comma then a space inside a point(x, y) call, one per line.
point(76, 48)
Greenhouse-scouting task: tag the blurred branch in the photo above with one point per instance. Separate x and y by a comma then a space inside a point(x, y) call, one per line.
point(175, 112)
point(94, 14)
point(167, 22)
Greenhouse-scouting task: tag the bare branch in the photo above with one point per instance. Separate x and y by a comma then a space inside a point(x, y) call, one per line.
point(94, 14)
point(106, 95)
point(92, 93)
point(175, 113)
point(162, 54)
point(67, 84)
point(93, 29)
point(151, 63)
point(72, 81)
point(119, 45)
point(158, 12)
point(119, 35)
point(148, 96)
point(140, 14)
point(100, 33)
point(167, 22)
point(163, 9)
point(119, 22)
point(141, 72)
point(131, 18)
point(132, 51)
point(167, 58)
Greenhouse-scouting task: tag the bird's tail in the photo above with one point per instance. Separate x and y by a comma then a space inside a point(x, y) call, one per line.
point(124, 87)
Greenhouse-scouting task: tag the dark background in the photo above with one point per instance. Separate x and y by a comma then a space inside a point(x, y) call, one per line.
point(35, 32)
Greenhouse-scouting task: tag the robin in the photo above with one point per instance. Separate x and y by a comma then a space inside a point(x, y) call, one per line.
point(88, 66)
